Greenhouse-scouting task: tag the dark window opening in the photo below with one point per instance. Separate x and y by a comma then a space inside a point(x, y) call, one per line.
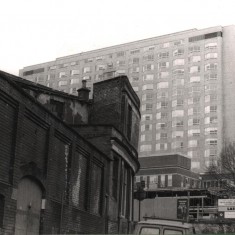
point(57, 108)
point(2, 203)
point(129, 122)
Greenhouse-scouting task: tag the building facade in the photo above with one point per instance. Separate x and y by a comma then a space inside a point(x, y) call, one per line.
point(184, 80)
point(52, 179)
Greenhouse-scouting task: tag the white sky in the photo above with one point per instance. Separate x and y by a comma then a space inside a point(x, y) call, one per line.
point(34, 32)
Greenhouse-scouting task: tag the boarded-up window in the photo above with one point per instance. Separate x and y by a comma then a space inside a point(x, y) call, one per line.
point(80, 187)
point(115, 177)
point(96, 188)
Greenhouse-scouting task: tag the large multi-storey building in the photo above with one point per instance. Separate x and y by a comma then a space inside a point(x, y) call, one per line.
point(185, 81)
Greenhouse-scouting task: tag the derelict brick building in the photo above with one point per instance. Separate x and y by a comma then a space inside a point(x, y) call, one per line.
point(53, 180)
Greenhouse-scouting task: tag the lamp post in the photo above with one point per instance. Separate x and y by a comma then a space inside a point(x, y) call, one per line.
point(140, 194)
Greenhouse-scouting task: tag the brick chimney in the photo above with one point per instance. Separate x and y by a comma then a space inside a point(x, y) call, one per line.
point(83, 92)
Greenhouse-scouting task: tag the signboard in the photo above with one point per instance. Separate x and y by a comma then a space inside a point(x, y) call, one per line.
point(226, 202)
point(229, 215)
point(182, 209)
point(226, 208)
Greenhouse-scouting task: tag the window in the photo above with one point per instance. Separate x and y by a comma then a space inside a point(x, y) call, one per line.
point(135, 79)
point(136, 88)
point(211, 109)
point(161, 116)
point(169, 181)
point(194, 111)
point(194, 49)
point(177, 82)
point(161, 146)
point(136, 51)
point(178, 52)
point(129, 122)
point(194, 90)
point(211, 56)
point(52, 67)
point(163, 55)
point(148, 77)
point(86, 77)
point(172, 231)
point(177, 134)
point(149, 57)
point(121, 63)
point(88, 60)
point(211, 45)
point(148, 67)
point(177, 145)
point(80, 190)
point(86, 69)
point(145, 147)
point(100, 67)
point(147, 87)
point(99, 58)
point(161, 136)
point(192, 143)
point(194, 100)
point(73, 90)
point(120, 53)
point(63, 83)
point(212, 142)
point(134, 60)
point(147, 97)
point(148, 230)
point(163, 65)
point(211, 76)
point(51, 76)
point(75, 81)
point(211, 120)
point(178, 72)
point(146, 117)
point(74, 63)
point(212, 66)
point(2, 207)
point(195, 164)
point(177, 113)
point(162, 125)
point(193, 153)
point(62, 75)
point(166, 45)
point(177, 92)
point(194, 59)
point(163, 95)
point(97, 188)
point(178, 62)
point(211, 87)
point(147, 107)
point(195, 79)
point(150, 48)
point(163, 74)
point(74, 72)
point(177, 103)
point(210, 152)
point(146, 127)
point(99, 77)
point(194, 69)
point(194, 132)
point(162, 104)
point(177, 123)
point(179, 42)
point(193, 122)
point(211, 131)
point(161, 85)
point(134, 70)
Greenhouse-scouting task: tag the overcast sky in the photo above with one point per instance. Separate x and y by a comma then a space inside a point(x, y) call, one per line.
point(34, 32)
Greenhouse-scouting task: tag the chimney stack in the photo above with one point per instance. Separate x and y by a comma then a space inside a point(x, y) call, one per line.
point(83, 92)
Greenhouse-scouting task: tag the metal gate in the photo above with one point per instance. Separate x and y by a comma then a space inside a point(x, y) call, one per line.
point(29, 197)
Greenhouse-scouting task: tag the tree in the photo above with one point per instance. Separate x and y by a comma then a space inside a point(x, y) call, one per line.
point(223, 170)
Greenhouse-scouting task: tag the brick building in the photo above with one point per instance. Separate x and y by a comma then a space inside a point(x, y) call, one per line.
point(52, 179)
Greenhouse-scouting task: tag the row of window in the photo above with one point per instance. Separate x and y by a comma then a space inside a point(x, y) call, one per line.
point(180, 123)
point(180, 145)
point(180, 134)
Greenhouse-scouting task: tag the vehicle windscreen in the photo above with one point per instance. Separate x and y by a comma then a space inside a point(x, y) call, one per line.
point(145, 230)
